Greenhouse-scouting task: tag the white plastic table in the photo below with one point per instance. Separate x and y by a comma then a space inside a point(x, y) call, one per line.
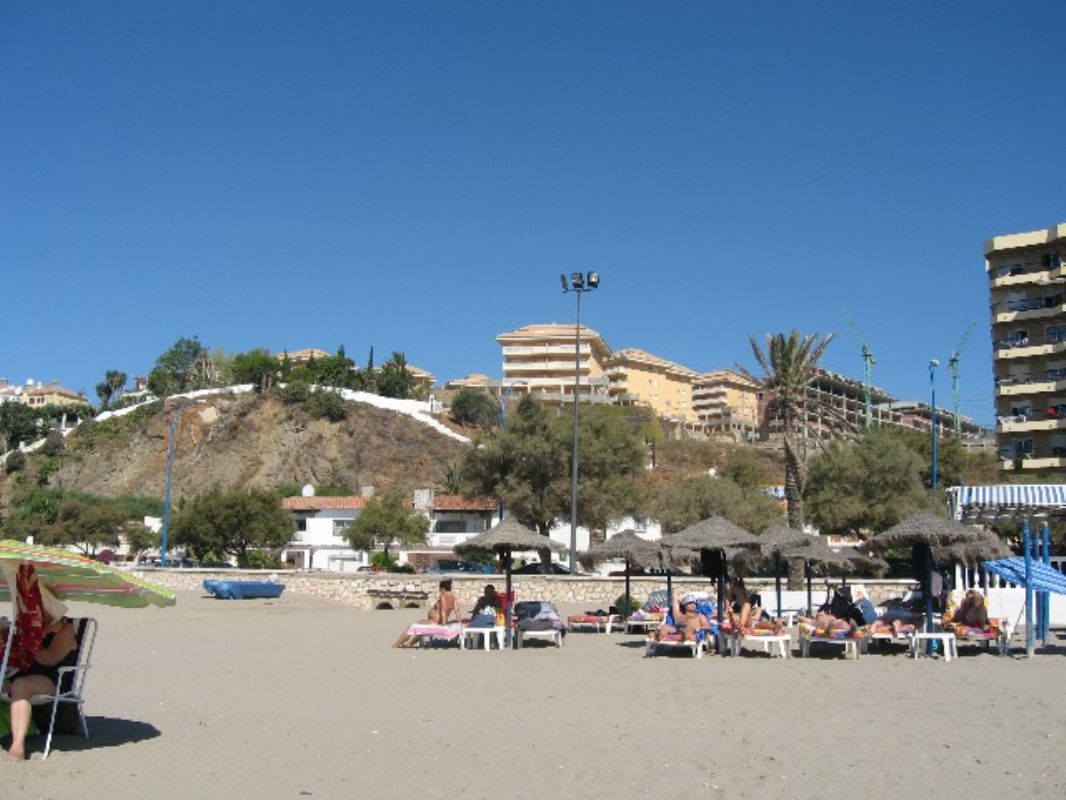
point(486, 635)
point(949, 644)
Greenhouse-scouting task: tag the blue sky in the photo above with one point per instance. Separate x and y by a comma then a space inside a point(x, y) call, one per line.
point(415, 175)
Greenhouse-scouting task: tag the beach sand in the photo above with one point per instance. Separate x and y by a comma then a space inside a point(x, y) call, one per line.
point(301, 698)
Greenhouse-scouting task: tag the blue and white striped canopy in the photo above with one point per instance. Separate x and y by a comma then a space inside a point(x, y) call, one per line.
point(1005, 497)
point(1044, 578)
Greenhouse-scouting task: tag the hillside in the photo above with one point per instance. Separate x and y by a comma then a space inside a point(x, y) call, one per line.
point(250, 440)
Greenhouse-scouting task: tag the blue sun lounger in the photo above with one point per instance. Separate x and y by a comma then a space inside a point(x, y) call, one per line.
point(243, 590)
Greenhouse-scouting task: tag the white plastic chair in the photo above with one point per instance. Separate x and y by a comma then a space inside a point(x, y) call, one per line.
point(70, 686)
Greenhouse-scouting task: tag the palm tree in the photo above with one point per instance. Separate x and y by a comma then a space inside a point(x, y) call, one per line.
point(789, 364)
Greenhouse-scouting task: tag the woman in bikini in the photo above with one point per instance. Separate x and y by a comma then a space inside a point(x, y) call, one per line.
point(440, 613)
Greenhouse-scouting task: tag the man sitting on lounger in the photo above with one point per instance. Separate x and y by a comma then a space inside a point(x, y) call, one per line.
point(486, 609)
point(688, 621)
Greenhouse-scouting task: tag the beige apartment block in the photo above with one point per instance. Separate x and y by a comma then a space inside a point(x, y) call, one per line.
point(726, 404)
point(543, 360)
point(1027, 285)
point(640, 378)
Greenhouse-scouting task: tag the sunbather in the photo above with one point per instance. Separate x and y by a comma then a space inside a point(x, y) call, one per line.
point(688, 621)
point(440, 613)
point(744, 612)
point(57, 649)
point(486, 609)
point(825, 622)
point(971, 611)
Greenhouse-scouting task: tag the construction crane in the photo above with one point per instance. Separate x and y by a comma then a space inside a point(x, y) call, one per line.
point(868, 361)
point(953, 365)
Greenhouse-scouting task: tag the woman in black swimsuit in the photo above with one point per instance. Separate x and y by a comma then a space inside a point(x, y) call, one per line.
point(59, 649)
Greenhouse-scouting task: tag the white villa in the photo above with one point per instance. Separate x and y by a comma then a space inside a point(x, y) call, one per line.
point(319, 543)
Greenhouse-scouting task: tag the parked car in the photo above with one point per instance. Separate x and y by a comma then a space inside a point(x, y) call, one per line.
point(217, 565)
point(534, 568)
point(458, 565)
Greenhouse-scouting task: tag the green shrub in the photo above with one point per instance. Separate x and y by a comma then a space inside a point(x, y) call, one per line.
point(326, 404)
point(258, 559)
point(295, 392)
point(474, 408)
point(53, 444)
point(620, 604)
point(383, 560)
point(15, 461)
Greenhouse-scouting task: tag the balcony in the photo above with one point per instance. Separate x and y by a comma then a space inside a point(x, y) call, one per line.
point(1053, 380)
point(1029, 308)
point(1052, 418)
point(547, 349)
point(1016, 347)
point(1022, 277)
point(1036, 461)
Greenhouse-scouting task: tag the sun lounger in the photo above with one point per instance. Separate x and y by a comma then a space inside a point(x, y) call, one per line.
point(597, 623)
point(538, 619)
point(769, 642)
point(698, 646)
point(851, 641)
point(430, 633)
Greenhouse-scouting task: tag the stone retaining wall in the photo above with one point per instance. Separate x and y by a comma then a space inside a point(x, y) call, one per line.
point(589, 592)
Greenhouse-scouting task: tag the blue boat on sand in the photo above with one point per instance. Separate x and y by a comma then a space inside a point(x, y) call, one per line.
point(244, 590)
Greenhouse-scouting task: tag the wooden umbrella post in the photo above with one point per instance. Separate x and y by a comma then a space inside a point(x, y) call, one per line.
point(505, 557)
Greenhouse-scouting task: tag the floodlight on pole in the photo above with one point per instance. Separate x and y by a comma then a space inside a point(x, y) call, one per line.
point(578, 285)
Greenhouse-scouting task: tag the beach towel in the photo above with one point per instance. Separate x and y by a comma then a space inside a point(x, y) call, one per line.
point(29, 620)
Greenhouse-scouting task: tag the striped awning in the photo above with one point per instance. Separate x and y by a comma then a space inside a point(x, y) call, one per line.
point(1007, 500)
point(1044, 578)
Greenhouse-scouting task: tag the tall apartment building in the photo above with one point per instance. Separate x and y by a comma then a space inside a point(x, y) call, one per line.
point(640, 378)
point(540, 360)
point(726, 404)
point(1027, 284)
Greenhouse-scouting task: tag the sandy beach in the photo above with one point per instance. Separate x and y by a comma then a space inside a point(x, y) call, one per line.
point(303, 698)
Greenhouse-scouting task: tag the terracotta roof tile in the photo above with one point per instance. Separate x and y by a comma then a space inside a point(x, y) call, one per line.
point(318, 503)
point(455, 502)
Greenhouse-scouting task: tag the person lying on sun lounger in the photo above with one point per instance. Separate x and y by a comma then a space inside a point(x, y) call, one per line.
point(895, 627)
point(439, 614)
point(824, 623)
point(688, 621)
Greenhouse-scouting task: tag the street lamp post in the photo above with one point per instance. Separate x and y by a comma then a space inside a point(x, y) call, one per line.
point(578, 284)
point(174, 420)
point(933, 364)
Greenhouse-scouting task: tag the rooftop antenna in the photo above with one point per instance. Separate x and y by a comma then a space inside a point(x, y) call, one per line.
point(868, 362)
point(953, 365)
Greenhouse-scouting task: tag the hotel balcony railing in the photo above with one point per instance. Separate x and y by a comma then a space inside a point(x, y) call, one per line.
point(1047, 376)
point(1028, 303)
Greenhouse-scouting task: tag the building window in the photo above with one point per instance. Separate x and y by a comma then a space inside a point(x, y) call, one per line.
point(450, 526)
point(301, 524)
point(339, 526)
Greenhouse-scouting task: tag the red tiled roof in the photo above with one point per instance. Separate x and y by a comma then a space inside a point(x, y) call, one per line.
point(317, 503)
point(456, 502)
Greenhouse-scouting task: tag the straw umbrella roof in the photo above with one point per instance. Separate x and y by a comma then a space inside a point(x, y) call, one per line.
point(924, 528)
point(509, 535)
point(825, 560)
point(779, 538)
point(716, 533)
point(985, 547)
point(628, 546)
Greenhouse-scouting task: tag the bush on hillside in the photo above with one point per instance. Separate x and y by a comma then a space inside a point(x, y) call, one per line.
point(15, 461)
point(326, 404)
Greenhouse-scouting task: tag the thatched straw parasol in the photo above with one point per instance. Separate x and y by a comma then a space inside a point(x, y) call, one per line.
point(773, 542)
point(504, 539)
point(713, 537)
point(635, 551)
point(819, 558)
point(922, 533)
point(986, 547)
